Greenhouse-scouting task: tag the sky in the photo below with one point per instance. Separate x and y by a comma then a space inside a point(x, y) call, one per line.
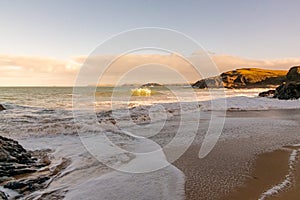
point(43, 38)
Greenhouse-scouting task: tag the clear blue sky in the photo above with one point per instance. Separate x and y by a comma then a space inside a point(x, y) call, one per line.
point(62, 28)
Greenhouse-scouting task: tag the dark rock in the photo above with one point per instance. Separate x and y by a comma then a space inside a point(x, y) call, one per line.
point(244, 78)
point(12, 151)
point(25, 171)
point(2, 107)
point(3, 196)
point(293, 74)
point(269, 93)
point(290, 90)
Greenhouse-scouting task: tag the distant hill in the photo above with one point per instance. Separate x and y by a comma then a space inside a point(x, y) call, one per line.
point(244, 78)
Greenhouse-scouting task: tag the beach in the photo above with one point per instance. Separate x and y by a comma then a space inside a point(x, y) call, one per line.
point(251, 157)
point(254, 158)
point(246, 168)
point(149, 100)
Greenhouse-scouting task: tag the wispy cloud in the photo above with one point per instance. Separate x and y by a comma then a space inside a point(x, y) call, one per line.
point(228, 62)
point(32, 70)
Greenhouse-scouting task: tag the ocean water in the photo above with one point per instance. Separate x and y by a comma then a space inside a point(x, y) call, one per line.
point(43, 117)
point(48, 110)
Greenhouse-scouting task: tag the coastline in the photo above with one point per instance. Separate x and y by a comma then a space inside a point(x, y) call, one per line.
point(247, 136)
point(270, 177)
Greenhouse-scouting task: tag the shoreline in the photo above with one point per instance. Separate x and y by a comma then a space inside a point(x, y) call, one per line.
point(245, 167)
point(252, 178)
point(272, 178)
point(246, 136)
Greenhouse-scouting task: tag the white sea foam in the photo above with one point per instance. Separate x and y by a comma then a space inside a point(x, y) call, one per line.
point(249, 103)
point(287, 182)
point(166, 183)
point(85, 177)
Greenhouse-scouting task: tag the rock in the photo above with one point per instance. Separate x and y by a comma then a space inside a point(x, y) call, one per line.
point(24, 171)
point(269, 93)
point(293, 74)
point(213, 82)
point(2, 107)
point(3, 196)
point(290, 90)
point(12, 152)
point(244, 78)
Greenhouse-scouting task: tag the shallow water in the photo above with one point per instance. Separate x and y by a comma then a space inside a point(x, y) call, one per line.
point(43, 118)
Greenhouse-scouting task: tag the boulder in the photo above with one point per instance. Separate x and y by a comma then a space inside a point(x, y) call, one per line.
point(2, 107)
point(269, 93)
point(290, 90)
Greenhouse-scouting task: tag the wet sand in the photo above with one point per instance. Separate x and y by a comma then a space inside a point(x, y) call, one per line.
point(244, 168)
point(270, 170)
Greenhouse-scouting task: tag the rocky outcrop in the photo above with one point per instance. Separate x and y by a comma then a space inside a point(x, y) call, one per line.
point(2, 107)
point(290, 89)
point(244, 78)
point(25, 171)
point(293, 74)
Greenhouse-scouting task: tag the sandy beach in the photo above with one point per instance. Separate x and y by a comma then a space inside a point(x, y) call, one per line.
point(254, 157)
point(248, 166)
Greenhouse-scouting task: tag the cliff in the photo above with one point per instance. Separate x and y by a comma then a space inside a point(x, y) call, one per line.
point(244, 78)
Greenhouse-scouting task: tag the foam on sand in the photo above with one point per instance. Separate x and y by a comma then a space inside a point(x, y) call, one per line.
point(287, 182)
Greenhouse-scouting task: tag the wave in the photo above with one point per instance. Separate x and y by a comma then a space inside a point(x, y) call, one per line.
point(248, 103)
point(141, 92)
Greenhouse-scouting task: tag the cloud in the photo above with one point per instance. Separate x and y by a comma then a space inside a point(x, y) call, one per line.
point(33, 70)
point(37, 64)
point(228, 62)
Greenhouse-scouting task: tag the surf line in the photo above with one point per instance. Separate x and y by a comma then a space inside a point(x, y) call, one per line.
point(287, 182)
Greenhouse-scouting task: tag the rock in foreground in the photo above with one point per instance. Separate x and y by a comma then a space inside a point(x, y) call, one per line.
point(24, 171)
point(244, 78)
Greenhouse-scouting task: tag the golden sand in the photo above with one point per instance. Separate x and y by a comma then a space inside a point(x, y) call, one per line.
point(268, 170)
